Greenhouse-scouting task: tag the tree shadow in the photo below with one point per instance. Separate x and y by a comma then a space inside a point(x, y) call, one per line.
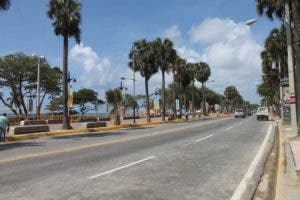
point(88, 135)
point(12, 145)
point(140, 128)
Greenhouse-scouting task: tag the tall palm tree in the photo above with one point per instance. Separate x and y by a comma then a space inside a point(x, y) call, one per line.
point(191, 70)
point(202, 75)
point(278, 8)
point(66, 21)
point(165, 57)
point(143, 59)
point(4, 4)
point(178, 69)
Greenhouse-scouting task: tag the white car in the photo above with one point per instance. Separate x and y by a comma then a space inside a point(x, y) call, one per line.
point(239, 113)
point(262, 113)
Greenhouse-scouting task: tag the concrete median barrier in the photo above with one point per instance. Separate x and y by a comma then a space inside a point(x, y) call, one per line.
point(95, 124)
point(31, 129)
point(33, 122)
point(54, 121)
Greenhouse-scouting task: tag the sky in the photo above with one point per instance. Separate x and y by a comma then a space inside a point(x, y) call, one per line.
point(210, 31)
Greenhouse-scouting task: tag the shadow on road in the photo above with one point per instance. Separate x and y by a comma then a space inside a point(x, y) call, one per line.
point(12, 145)
point(139, 128)
point(89, 135)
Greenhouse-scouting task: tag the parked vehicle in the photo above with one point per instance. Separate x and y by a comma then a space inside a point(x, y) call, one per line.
point(239, 113)
point(262, 113)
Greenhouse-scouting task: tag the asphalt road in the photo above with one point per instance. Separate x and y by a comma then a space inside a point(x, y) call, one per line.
point(193, 160)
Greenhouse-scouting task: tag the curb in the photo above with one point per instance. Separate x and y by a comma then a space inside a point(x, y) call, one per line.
point(93, 130)
point(250, 181)
point(267, 186)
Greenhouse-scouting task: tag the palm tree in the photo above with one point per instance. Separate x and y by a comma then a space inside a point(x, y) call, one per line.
point(191, 69)
point(202, 75)
point(114, 98)
point(66, 21)
point(143, 59)
point(178, 69)
point(290, 9)
point(270, 8)
point(4, 4)
point(165, 57)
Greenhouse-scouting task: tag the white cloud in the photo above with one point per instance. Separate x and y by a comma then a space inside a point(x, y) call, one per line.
point(213, 30)
point(231, 52)
point(173, 33)
point(96, 72)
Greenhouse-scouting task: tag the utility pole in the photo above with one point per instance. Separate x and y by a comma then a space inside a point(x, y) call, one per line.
point(133, 66)
point(290, 67)
point(38, 91)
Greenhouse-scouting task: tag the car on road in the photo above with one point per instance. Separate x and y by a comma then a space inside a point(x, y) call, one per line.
point(262, 113)
point(248, 113)
point(239, 113)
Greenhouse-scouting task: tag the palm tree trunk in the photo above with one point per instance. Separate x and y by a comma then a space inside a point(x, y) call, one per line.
point(163, 96)
point(193, 97)
point(203, 100)
point(296, 19)
point(147, 100)
point(66, 122)
point(174, 96)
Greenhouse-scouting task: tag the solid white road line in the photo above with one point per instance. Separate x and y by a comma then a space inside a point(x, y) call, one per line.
point(229, 128)
point(243, 184)
point(199, 140)
point(122, 167)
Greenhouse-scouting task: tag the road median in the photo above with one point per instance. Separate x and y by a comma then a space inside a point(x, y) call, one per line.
point(94, 130)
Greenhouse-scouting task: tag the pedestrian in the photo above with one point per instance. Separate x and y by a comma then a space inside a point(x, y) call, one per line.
point(4, 127)
point(186, 115)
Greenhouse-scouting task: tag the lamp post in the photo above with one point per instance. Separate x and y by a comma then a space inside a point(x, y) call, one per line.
point(122, 104)
point(38, 87)
point(133, 106)
point(290, 63)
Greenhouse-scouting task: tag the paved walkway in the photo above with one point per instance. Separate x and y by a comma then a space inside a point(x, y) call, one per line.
point(288, 180)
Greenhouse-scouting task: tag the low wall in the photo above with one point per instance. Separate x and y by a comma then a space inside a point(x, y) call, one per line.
point(95, 124)
point(90, 119)
point(33, 122)
point(106, 119)
point(31, 129)
point(54, 121)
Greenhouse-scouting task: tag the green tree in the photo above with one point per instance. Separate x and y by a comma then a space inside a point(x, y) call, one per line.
point(166, 55)
point(4, 4)
point(143, 59)
point(66, 21)
point(129, 102)
point(56, 104)
point(18, 75)
point(114, 98)
point(84, 98)
point(181, 80)
point(202, 74)
point(233, 96)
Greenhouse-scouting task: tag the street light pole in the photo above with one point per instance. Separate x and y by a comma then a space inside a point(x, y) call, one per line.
point(38, 87)
point(38, 90)
point(133, 65)
point(290, 63)
point(290, 66)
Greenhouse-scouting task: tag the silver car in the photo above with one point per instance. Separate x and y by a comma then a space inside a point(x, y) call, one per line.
point(239, 113)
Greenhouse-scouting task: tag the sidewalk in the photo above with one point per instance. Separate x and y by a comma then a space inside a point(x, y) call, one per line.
point(288, 177)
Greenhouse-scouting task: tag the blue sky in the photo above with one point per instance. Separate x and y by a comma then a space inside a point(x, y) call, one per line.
point(110, 26)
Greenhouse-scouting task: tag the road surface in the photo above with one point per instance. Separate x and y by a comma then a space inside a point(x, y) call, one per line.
point(193, 160)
